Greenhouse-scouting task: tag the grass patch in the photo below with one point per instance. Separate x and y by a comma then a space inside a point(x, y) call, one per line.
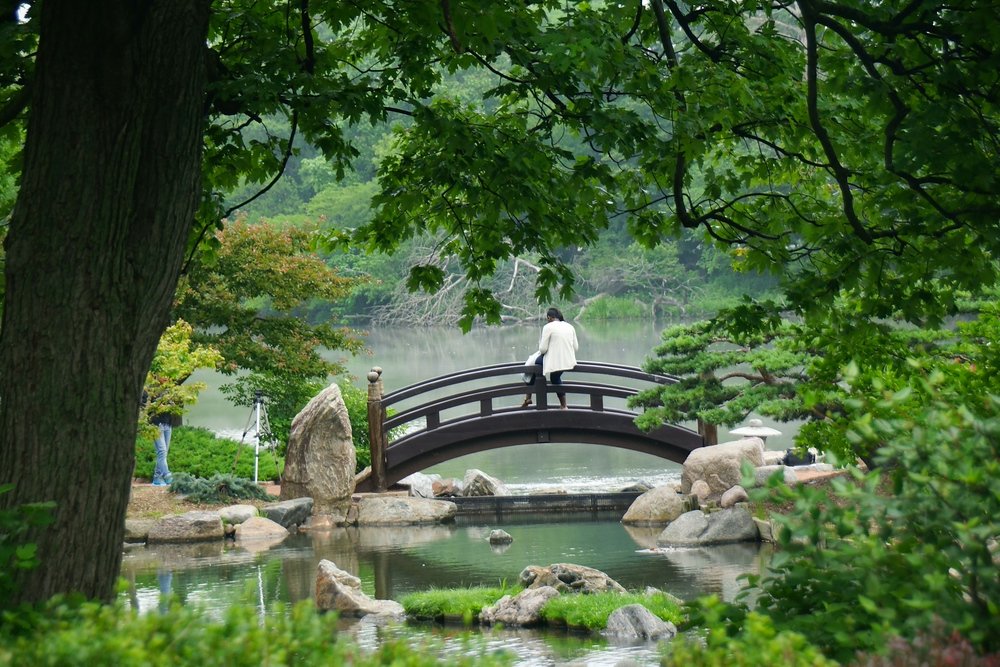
point(453, 604)
point(590, 612)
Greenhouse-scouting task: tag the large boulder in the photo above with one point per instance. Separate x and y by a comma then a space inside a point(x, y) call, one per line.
point(569, 578)
point(657, 506)
point(341, 592)
point(289, 513)
point(478, 483)
point(697, 528)
point(397, 510)
point(523, 609)
point(320, 460)
point(188, 527)
point(720, 466)
point(634, 622)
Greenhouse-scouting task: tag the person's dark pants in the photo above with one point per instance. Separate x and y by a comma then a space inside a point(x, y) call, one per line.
point(556, 378)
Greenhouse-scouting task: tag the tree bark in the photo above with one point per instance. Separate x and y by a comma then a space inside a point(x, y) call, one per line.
point(110, 185)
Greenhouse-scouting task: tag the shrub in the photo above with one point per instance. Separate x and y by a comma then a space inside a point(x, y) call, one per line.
point(198, 452)
point(757, 643)
point(87, 634)
point(854, 573)
point(218, 489)
point(591, 612)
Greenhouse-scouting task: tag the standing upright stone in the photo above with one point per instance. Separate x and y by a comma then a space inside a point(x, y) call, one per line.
point(320, 460)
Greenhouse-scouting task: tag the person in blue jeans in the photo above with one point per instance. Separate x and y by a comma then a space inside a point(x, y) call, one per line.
point(161, 473)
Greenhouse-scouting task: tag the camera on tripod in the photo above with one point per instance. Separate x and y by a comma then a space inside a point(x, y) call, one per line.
point(260, 426)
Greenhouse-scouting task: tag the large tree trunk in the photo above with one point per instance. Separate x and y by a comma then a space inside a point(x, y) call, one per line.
point(110, 185)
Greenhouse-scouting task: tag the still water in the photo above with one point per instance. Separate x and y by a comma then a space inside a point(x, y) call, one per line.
point(392, 562)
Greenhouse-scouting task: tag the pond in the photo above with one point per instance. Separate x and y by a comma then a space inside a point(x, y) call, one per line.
point(392, 562)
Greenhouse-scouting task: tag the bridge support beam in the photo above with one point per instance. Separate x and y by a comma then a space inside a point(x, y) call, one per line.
point(710, 433)
point(376, 432)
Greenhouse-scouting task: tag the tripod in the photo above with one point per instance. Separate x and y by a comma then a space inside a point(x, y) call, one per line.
point(262, 431)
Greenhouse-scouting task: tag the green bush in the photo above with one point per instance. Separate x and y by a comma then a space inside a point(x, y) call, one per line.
point(869, 566)
point(591, 612)
point(90, 634)
point(218, 489)
point(452, 604)
point(757, 644)
point(198, 452)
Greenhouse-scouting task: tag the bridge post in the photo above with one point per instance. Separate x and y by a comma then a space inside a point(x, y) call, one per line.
point(376, 432)
point(708, 432)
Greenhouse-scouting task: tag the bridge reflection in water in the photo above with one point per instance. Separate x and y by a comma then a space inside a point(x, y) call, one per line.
point(467, 412)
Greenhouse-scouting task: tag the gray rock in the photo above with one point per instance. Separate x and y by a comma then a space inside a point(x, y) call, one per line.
point(764, 473)
point(421, 485)
point(397, 510)
point(137, 530)
point(657, 506)
point(446, 488)
point(237, 513)
point(320, 459)
point(500, 537)
point(737, 494)
point(765, 529)
point(773, 457)
point(478, 483)
point(723, 527)
point(569, 578)
point(340, 591)
point(261, 528)
point(720, 465)
point(523, 609)
point(187, 527)
point(636, 623)
point(288, 513)
point(700, 490)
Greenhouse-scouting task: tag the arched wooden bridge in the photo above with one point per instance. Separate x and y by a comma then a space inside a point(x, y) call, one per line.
point(472, 419)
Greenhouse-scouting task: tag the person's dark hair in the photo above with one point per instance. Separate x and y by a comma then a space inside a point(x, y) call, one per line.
point(555, 314)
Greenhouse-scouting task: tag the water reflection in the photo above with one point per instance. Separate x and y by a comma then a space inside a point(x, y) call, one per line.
point(394, 561)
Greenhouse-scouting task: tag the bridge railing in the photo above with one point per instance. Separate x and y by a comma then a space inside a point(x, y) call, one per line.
point(482, 401)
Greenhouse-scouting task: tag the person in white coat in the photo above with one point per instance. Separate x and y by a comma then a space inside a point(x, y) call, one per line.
point(556, 351)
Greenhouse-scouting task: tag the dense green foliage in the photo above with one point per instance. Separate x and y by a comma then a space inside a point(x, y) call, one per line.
point(247, 300)
point(758, 643)
point(591, 612)
point(198, 452)
point(166, 390)
point(751, 360)
point(69, 633)
point(883, 561)
point(463, 604)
